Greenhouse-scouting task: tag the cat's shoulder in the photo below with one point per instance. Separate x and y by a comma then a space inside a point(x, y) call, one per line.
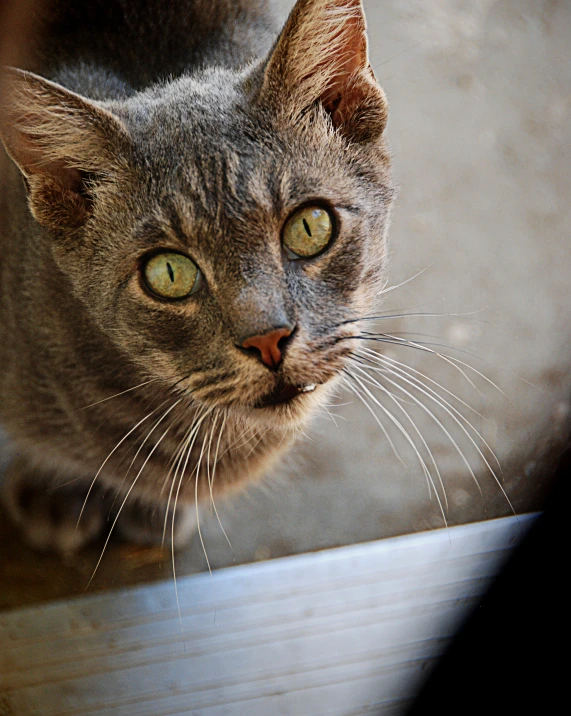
point(101, 48)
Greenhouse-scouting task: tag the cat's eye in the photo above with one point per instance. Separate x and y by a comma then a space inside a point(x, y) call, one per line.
point(171, 275)
point(308, 231)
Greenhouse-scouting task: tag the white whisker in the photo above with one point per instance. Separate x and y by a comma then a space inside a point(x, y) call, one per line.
point(446, 358)
point(433, 395)
point(438, 422)
point(129, 390)
point(403, 283)
point(234, 446)
point(471, 439)
point(411, 442)
point(142, 445)
point(173, 460)
point(208, 476)
point(182, 457)
point(333, 416)
point(156, 445)
point(456, 363)
point(211, 482)
point(196, 471)
point(415, 427)
point(191, 442)
point(107, 460)
point(373, 355)
point(377, 420)
point(255, 445)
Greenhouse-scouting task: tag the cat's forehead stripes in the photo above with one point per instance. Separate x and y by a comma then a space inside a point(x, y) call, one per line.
point(175, 221)
point(154, 233)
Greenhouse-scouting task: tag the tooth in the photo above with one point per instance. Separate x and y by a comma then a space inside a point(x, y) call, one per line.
point(309, 388)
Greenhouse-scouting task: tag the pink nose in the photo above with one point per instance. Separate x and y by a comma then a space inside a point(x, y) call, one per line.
point(269, 346)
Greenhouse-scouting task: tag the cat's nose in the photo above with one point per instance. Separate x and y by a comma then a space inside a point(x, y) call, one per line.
point(270, 346)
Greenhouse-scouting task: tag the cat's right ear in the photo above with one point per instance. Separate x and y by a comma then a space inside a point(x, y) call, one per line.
point(62, 143)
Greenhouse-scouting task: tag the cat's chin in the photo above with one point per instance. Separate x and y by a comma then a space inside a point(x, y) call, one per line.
point(284, 395)
point(290, 406)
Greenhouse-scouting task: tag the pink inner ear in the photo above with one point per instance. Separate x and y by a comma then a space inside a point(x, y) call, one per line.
point(343, 93)
point(70, 178)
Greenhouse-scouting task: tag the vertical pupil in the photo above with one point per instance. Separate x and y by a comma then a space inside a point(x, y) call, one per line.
point(306, 225)
point(171, 272)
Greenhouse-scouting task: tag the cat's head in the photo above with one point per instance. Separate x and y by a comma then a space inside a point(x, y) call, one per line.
point(225, 229)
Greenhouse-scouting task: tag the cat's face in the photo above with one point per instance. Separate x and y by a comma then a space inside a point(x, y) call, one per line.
point(186, 242)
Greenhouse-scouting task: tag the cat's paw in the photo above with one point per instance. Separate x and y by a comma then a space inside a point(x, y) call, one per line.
point(145, 524)
point(48, 515)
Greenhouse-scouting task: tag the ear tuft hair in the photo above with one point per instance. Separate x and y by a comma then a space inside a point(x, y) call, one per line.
point(60, 142)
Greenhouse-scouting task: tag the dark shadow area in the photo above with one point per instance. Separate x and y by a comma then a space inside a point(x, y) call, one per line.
point(510, 657)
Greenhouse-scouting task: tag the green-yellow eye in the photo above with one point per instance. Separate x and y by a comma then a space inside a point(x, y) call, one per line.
point(171, 275)
point(308, 231)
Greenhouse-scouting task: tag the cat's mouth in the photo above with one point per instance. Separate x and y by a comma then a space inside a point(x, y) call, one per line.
point(283, 394)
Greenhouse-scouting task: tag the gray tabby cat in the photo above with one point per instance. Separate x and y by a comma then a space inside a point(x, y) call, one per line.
point(194, 222)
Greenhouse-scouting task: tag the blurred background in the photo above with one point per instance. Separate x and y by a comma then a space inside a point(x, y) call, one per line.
point(480, 108)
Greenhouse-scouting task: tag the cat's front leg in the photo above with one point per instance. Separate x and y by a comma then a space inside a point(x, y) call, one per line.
point(53, 515)
point(60, 516)
point(148, 523)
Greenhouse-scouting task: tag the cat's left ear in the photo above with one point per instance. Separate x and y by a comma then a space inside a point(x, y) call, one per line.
point(322, 56)
point(62, 143)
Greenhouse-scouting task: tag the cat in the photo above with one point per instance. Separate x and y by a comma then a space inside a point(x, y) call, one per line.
point(195, 220)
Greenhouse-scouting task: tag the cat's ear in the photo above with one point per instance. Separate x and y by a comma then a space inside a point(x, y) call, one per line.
point(62, 143)
point(322, 56)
